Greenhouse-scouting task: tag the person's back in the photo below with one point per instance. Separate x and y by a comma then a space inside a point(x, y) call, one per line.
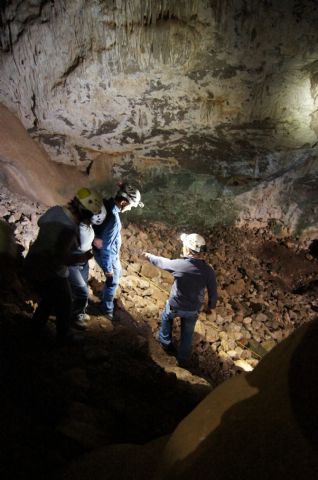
point(58, 236)
point(192, 275)
point(54, 250)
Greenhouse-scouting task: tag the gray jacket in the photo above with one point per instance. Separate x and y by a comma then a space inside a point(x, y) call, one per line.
point(191, 277)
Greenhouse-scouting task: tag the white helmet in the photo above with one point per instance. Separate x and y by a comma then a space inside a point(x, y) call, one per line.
point(99, 217)
point(131, 194)
point(193, 241)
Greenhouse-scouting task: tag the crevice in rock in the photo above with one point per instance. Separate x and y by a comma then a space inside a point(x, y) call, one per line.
point(33, 110)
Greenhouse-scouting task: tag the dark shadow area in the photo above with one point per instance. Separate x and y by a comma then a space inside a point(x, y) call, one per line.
point(59, 402)
point(272, 433)
point(303, 387)
point(313, 248)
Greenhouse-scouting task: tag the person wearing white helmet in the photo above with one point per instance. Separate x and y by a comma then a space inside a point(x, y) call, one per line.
point(107, 242)
point(192, 276)
point(54, 250)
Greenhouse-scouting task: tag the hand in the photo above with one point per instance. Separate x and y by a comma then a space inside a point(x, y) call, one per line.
point(109, 274)
point(145, 255)
point(98, 243)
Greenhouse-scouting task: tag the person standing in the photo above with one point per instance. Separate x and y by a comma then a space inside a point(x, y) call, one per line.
point(79, 273)
point(192, 275)
point(55, 248)
point(107, 242)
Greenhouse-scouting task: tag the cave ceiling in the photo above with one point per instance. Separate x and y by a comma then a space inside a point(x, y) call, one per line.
point(211, 97)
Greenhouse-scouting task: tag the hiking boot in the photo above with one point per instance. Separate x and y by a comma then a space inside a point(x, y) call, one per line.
point(109, 315)
point(169, 349)
point(80, 321)
point(104, 313)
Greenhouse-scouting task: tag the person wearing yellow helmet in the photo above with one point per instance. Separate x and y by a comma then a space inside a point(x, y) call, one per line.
point(56, 248)
point(79, 273)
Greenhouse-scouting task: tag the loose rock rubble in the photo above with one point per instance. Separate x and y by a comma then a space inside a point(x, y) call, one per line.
point(267, 286)
point(262, 291)
point(119, 386)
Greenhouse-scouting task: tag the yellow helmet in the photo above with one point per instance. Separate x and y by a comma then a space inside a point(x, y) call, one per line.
point(90, 199)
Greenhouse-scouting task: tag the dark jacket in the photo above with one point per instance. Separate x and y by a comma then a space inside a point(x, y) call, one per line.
point(56, 246)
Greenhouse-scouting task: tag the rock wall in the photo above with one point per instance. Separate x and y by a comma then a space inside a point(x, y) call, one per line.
point(26, 168)
point(205, 95)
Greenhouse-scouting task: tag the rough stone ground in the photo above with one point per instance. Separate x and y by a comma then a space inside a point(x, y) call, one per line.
point(118, 386)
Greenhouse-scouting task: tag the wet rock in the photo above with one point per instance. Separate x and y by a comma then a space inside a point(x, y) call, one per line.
point(247, 320)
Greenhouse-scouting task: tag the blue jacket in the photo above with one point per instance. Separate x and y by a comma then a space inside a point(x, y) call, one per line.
point(110, 232)
point(191, 277)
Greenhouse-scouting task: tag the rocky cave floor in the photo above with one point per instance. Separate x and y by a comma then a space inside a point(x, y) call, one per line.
point(58, 403)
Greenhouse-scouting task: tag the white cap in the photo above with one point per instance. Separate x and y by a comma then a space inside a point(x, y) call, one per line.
point(193, 241)
point(131, 194)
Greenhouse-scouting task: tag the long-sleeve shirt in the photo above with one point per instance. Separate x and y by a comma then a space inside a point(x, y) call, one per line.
point(110, 233)
point(191, 277)
point(86, 237)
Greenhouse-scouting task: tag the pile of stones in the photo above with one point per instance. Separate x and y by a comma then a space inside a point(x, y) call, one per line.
point(267, 286)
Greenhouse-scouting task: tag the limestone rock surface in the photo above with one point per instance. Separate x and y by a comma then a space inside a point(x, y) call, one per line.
point(208, 97)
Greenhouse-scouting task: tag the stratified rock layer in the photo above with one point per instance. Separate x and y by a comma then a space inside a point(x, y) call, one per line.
point(211, 97)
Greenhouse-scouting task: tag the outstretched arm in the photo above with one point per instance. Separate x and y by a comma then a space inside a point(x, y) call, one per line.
point(160, 262)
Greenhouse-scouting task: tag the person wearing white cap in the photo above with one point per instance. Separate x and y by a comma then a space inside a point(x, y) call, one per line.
point(192, 275)
point(107, 243)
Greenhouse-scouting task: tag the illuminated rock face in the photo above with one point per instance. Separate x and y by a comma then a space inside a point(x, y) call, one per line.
point(208, 96)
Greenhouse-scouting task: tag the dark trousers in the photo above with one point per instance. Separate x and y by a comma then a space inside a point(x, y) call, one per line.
point(56, 299)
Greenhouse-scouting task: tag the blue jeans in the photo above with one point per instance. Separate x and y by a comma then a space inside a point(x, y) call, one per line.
point(188, 321)
point(110, 286)
point(78, 279)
